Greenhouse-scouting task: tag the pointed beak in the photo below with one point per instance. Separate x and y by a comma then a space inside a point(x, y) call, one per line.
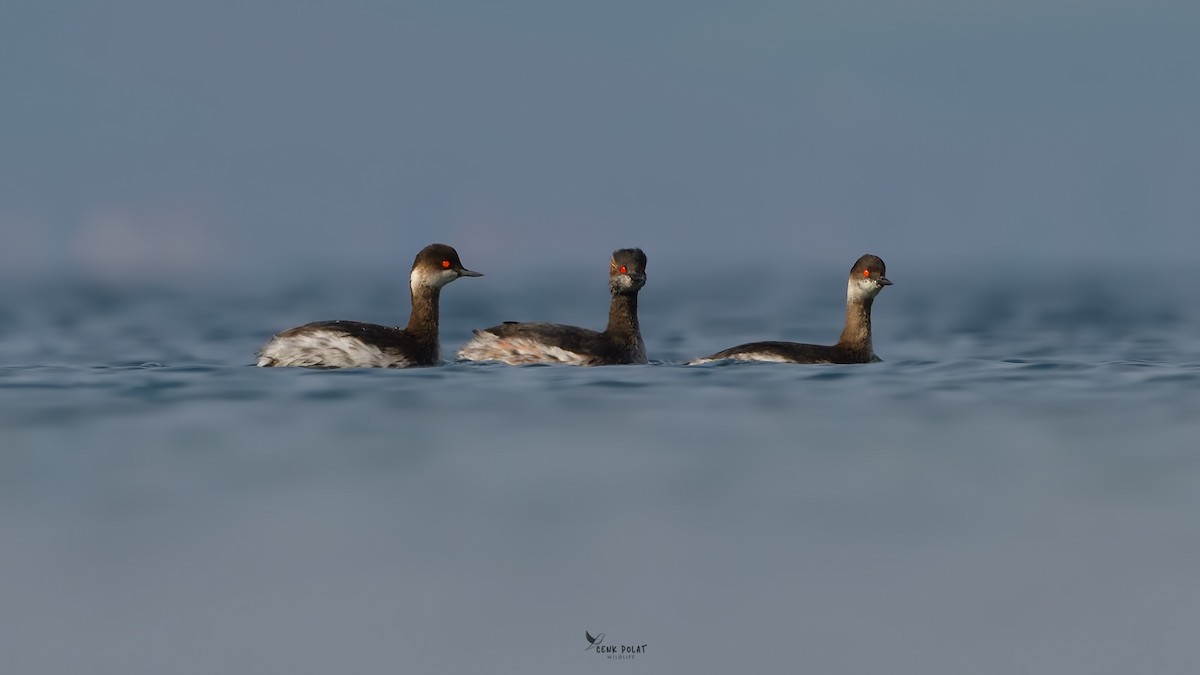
point(883, 281)
point(464, 272)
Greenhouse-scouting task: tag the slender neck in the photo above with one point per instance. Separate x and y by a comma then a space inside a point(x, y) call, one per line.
point(623, 317)
point(857, 333)
point(424, 318)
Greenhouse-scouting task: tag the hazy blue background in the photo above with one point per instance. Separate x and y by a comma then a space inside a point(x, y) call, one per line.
point(1013, 490)
point(216, 140)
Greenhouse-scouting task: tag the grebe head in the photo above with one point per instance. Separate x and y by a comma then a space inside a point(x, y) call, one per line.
point(627, 270)
point(437, 265)
point(867, 278)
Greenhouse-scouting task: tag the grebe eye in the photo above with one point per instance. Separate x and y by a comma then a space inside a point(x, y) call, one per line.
point(624, 270)
point(445, 264)
point(867, 273)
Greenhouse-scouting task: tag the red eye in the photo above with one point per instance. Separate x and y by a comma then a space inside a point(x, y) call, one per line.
point(624, 270)
point(445, 264)
point(866, 273)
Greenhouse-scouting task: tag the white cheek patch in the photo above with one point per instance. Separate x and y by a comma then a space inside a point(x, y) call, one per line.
point(517, 351)
point(861, 288)
point(422, 277)
point(626, 282)
point(326, 349)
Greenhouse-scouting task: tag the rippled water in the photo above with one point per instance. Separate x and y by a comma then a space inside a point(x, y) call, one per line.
point(1014, 489)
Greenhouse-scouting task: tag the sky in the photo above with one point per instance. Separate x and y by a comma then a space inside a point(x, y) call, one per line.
point(144, 140)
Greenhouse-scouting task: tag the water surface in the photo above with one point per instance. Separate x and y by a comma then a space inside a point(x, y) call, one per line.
point(1013, 490)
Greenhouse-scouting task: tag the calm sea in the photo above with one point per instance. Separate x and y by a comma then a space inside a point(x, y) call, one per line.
point(1016, 489)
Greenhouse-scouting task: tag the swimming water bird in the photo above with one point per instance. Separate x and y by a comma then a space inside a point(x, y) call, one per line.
point(352, 344)
point(520, 343)
point(867, 279)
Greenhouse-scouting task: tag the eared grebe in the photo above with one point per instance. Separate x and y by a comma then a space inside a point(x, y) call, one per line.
point(352, 344)
point(518, 343)
point(866, 280)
